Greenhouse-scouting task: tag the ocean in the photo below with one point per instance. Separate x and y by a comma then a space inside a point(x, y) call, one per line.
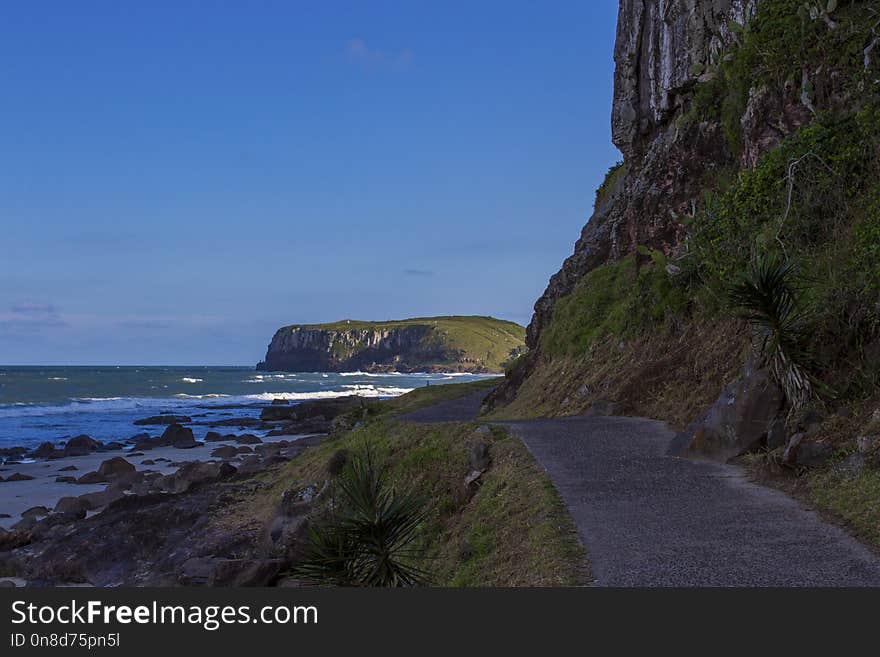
point(40, 404)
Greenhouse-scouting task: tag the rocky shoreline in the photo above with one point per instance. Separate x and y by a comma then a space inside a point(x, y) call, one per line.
point(137, 513)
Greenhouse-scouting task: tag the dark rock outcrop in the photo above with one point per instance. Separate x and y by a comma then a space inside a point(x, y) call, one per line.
point(179, 436)
point(739, 420)
point(81, 446)
point(165, 418)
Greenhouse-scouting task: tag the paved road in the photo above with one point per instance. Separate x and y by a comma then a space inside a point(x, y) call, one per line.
point(649, 519)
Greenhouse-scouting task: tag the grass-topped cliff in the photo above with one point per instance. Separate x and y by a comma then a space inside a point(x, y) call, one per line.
point(451, 343)
point(743, 224)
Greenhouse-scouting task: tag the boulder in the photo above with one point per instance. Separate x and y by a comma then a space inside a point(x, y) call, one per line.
point(738, 421)
point(147, 443)
point(46, 450)
point(189, 474)
point(213, 437)
point(92, 478)
point(165, 418)
point(267, 449)
point(275, 413)
point(805, 453)
point(479, 455)
point(12, 452)
point(115, 466)
point(248, 439)
point(9, 540)
point(112, 446)
point(102, 498)
point(179, 436)
point(68, 468)
point(81, 446)
point(65, 480)
point(812, 454)
point(35, 512)
point(225, 452)
point(17, 476)
point(72, 505)
point(251, 464)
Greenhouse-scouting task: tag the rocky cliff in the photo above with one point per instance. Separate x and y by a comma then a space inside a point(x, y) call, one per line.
point(434, 344)
point(748, 128)
point(663, 49)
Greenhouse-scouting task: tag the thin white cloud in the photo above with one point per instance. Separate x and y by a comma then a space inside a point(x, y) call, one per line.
point(370, 59)
point(32, 308)
point(29, 316)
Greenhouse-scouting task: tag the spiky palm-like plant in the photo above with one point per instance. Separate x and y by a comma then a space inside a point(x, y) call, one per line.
point(369, 539)
point(767, 297)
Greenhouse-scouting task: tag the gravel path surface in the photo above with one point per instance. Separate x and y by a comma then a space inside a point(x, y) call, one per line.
point(649, 519)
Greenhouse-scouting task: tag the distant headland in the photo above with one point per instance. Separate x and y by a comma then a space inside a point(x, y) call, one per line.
point(423, 344)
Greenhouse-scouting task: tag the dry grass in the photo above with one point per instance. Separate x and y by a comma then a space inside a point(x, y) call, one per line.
point(670, 374)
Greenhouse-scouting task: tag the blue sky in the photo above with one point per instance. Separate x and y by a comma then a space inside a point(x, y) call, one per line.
point(179, 179)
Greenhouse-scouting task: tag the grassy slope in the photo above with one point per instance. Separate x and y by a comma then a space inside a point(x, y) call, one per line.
point(483, 339)
point(514, 531)
point(425, 396)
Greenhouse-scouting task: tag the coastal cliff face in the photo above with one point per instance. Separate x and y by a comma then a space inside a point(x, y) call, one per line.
point(433, 344)
point(663, 49)
point(748, 128)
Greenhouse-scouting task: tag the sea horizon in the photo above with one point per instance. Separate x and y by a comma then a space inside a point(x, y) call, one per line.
point(42, 403)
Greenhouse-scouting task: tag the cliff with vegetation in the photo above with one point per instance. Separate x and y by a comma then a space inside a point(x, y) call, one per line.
point(731, 258)
point(425, 344)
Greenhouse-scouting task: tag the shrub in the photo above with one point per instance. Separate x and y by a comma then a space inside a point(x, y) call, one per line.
point(765, 295)
point(369, 537)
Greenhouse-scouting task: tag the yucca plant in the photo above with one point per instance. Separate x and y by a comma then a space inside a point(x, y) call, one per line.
point(370, 536)
point(767, 297)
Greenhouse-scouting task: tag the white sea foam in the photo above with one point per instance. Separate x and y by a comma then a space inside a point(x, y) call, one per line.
point(57, 378)
point(360, 391)
point(188, 379)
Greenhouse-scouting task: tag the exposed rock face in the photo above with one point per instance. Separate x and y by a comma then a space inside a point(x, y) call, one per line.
point(661, 49)
point(319, 350)
point(442, 344)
